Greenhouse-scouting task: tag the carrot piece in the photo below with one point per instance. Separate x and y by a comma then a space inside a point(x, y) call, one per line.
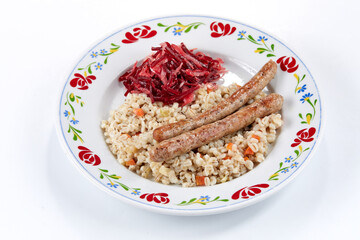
point(211, 87)
point(229, 146)
point(246, 158)
point(248, 151)
point(200, 180)
point(130, 162)
point(227, 157)
point(256, 137)
point(128, 135)
point(139, 112)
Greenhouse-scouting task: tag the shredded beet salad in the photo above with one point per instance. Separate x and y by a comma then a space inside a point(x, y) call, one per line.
point(172, 74)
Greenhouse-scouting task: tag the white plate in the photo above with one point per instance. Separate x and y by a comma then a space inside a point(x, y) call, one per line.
point(92, 90)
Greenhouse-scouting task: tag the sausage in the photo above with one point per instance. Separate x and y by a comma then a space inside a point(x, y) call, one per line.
point(224, 108)
point(187, 141)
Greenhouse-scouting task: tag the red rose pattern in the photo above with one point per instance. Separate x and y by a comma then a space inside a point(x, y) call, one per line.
point(304, 135)
point(80, 82)
point(156, 197)
point(287, 64)
point(219, 29)
point(248, 192)
point(88, 156)
point(139, 32)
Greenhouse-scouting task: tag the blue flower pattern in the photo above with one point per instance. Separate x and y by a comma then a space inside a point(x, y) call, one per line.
point(177, 32)
point(74, 121)
point(285, 170)
point(302, 89)
point(288, 159)
point(306, 97)
point(295, 164)
point(113, 185)
point(94, 54)
point(204, 198)
point(262, 38)
point(66, 113)
point(241, 34)
point(98, 66)
point(103, 51)
point(135, 192)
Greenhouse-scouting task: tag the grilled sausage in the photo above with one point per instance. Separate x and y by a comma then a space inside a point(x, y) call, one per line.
point(224, 108)
point(187, 141)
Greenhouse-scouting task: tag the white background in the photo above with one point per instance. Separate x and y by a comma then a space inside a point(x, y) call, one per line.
point(44, 197)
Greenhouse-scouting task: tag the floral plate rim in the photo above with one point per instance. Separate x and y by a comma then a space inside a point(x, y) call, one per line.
point(171, 210)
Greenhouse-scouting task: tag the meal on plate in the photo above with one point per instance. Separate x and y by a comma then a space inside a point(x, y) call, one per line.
point(177, 126)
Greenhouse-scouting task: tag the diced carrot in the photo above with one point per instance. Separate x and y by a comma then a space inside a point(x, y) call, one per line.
point(128, 135)
point(139, 112)
point(130, 162)
point(248, 151)
point(229, 146)
point(246, 158)
point(201, 155)
point(256, 137)
point(227, 157)
point(200, 180)
point(211, 87)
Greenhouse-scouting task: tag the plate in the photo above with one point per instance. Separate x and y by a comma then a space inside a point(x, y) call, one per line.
point(92, 90)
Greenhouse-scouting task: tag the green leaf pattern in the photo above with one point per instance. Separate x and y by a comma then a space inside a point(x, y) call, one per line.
point(298, 89)
point(264, 49)
point(71, 100)
point(103, 53)
point(284, 168)
point(203, 200)
point(113, 181)
point(182, 28)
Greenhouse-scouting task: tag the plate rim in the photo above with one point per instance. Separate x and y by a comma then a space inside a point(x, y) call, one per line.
point(166, 210)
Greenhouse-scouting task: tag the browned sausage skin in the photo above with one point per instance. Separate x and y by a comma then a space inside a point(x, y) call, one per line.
point(224, 108)
point(187, 141)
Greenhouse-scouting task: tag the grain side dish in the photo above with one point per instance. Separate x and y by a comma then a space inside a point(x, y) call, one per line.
point(129, 135)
